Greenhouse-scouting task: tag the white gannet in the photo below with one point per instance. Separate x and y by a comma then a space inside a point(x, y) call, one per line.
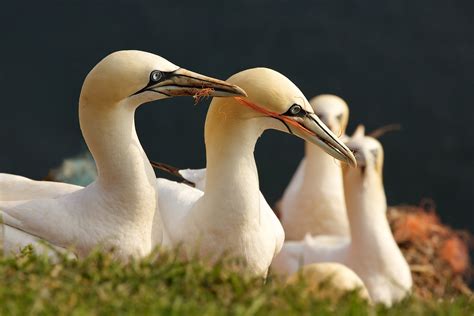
point(230, 217)
point(371, 250)
point(314, 201)
point(116, 211)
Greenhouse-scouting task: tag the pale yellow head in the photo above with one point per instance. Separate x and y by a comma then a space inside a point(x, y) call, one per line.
point(277, 103)
point(139, 77)
point(368, 152)
point(333, 111)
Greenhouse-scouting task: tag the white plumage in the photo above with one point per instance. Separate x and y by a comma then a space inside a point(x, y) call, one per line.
point(230, 217)
point(116, 211)
point(371, 250)
point(313, 203)
point(15, 188)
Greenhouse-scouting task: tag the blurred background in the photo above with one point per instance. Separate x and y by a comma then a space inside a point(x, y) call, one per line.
point(407, 62)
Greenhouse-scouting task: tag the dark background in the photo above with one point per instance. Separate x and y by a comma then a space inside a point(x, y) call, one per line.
point(410, 62)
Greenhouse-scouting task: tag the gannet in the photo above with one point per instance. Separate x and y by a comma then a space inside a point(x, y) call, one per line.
point(371, 250)
point(229, 217)
point(314, 202)
point(116, 211)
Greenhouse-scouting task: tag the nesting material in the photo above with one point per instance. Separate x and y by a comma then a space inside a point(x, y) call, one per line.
point(438, 255)
point(201, 93)
point(329, 281)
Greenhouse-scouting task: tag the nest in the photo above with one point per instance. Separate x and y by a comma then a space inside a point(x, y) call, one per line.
point(438, 255)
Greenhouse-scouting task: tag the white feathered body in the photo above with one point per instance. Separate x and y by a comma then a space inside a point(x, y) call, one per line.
point(212, 236)
point(313, 203)
point(371, 251)
point(16, 188)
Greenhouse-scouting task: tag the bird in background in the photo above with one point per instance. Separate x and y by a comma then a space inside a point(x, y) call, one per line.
point(313, 203)
point(370, 251)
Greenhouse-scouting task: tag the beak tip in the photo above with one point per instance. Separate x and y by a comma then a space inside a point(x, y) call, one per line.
point(352, 162)
point(241, 92)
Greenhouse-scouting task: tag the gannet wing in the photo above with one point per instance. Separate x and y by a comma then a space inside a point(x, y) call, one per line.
point(175, 200)
point(325, 248)
point(13, 188)
point(46, 219)
point(13, 240)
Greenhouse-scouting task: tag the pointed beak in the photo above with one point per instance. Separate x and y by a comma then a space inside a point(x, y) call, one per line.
point(310, 128)
point(183, 82)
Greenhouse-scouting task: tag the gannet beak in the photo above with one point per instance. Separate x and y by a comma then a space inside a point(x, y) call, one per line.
point(310, 128)
point(182, 82)
point(359, 156)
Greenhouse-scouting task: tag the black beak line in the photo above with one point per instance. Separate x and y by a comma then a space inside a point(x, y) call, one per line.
point(317, 123)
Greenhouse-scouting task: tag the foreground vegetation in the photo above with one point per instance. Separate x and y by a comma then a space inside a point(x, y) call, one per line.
point(31, 284)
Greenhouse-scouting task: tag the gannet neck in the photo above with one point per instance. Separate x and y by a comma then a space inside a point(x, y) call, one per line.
point(232, 184)
point(122, 165)
point(366, 210)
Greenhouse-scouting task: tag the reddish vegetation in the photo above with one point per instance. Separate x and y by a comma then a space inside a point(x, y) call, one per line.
point(415, 225)
point(438, 255)
point(454, 251)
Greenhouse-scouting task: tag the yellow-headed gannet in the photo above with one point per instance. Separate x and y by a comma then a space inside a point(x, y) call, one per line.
point(116, 211)
point(371, 250)
point(230, 217)
point(313, 203)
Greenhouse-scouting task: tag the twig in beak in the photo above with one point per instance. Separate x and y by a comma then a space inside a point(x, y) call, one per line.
point(202, 93)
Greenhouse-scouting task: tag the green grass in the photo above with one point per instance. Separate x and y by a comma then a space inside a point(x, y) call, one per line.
point(98, 285)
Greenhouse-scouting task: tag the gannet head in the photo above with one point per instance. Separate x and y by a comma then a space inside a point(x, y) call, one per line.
point(333, 111)
point(282, 106)
point(140, 77)
point(368, 152)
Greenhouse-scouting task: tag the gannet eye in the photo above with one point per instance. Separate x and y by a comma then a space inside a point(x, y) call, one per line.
point(156, 75)
point(295, 109)
point(339, 117)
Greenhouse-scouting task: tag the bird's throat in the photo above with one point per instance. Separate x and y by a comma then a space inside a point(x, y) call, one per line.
point(110, 134)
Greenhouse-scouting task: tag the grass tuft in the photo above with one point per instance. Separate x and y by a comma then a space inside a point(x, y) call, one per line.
point(97, 285)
